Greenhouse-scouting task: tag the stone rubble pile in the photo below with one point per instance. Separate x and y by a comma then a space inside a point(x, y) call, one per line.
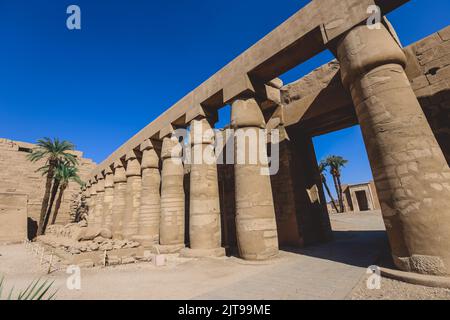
point(77, 238)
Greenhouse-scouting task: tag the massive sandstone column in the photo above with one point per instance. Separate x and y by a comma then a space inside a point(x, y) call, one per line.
point(172, 195)
point(411, 174)
point(204, 212)
point(133, 173)
point(300, 205)
point(98, 215)
point(150, 209)
point(108, 199)
point(255, 216)
point(119, 201)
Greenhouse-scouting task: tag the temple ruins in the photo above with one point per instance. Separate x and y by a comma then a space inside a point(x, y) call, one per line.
point(145, 192)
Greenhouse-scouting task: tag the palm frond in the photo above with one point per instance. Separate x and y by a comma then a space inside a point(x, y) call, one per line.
point(36, 290)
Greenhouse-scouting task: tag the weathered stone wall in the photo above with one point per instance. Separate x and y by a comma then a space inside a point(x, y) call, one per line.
point(18, 176)
point(429, 69)
point(13, 217)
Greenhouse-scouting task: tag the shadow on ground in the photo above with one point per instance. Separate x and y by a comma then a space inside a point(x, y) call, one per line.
point(356, 248)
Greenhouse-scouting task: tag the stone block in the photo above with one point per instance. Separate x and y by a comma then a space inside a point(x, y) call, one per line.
point(13, 217)
point(445, 34)
point(428, 43)
point(159, 260)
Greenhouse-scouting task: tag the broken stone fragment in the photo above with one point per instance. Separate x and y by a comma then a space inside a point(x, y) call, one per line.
point(128, 260)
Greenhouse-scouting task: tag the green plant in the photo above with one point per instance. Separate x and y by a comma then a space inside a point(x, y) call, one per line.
point(36, 290)
point(65, 173)
point(53, 152)
point(336, 163)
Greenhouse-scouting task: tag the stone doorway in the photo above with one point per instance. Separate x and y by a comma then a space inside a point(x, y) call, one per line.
point(363, 203)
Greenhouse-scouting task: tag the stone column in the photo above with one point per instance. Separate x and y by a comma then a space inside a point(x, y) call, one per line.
point(119, 201)
point(133, 173)
point(204, 205)
point(108, 199)
point(87, 195)
point(255, 215)
point(98, 216)
point(93, 201)
point(150, 209)
point(411, 174)
point(300, 205)
point(172, 226)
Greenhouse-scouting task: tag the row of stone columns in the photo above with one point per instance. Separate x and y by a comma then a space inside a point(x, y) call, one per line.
point(411, 174)
point(137, 202)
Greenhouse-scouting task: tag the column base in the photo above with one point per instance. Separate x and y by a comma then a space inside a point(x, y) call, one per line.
point(145, 241)
point(202, 253)
point(417, 279)
point(167, 249)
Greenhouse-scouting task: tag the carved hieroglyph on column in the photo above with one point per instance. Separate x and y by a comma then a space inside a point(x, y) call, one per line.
point(410, 172)
point(119, 201)
point(172, 195)
point(255, 215)
point(108, 199)
point(204, 213)
point(133, 173)
point(98, 215)
point(150, 209)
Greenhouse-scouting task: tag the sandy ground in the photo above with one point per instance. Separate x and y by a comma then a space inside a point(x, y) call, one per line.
point(335, 270)
point(396, 290)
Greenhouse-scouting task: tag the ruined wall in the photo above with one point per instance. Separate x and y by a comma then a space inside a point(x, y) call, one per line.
point(429, 72)
point(19, 176)
point(13, 218)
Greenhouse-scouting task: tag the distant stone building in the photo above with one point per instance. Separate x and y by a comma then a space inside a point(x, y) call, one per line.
point(18, 176)
point(358, 198)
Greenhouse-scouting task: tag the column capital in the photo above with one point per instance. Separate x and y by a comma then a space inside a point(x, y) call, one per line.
point(101, 184)
point(93, 188)
point(362, 49)
point(247, 113)
point(119, 172)
point(201, 132)
point(109, 178)
point(171, 148)
point(133, 166)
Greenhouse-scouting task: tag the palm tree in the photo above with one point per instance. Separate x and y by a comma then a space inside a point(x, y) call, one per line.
point(53, 152)
point(336, 163)
point(56, 182)
point(64, 174)
point(322, 168)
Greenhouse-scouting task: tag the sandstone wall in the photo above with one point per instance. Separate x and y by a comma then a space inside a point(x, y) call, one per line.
point(13, 217)
point(19, 176)
point(429, 71)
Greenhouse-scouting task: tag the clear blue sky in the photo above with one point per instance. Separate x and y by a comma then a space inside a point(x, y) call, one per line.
point(132, 59)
